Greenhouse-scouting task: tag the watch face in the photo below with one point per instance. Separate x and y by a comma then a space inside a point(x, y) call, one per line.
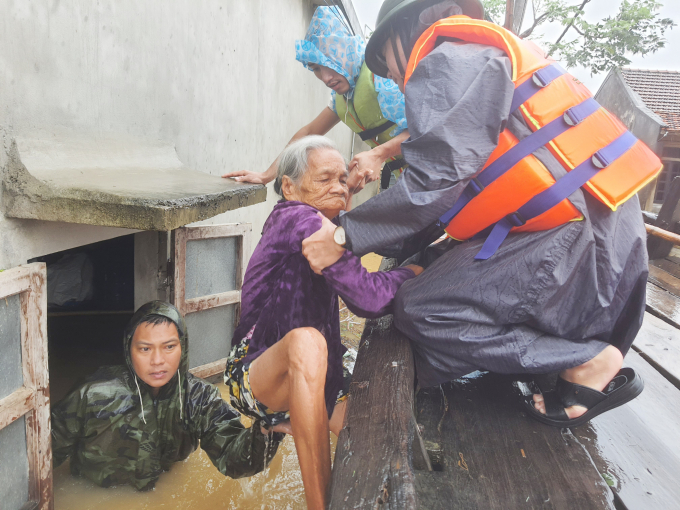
point(339, 236)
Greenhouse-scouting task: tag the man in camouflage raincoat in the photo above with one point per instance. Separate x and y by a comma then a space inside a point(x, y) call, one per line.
point(117, 432)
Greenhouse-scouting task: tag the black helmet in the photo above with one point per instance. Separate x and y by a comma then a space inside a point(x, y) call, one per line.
point(392, 10)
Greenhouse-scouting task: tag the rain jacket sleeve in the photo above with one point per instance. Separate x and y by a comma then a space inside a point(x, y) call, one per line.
point(67, 424)
point(236, 451)
point(457, 101)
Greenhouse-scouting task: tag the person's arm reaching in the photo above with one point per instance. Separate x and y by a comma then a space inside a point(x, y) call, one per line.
point(366, 166)
point(321, 125)
point(234, 450)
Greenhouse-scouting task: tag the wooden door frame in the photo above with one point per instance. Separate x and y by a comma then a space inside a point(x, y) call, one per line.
point(32, 400)
point(180, 237)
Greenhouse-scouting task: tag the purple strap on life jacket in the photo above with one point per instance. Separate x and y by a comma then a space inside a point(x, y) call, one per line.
point(540, 79)
point(573, 116)
point(553, 195)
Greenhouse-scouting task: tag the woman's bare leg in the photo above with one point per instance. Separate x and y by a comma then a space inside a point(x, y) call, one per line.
point(291, 376)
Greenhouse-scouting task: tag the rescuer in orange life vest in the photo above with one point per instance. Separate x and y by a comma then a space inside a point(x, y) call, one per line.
point(545, 264)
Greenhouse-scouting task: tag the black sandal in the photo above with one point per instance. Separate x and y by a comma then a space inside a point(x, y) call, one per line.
point(623, 388)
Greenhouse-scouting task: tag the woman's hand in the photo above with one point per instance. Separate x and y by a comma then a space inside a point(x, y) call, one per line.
point(320, 249)
point(251, 177)
point(416, 269)
point(365, 168)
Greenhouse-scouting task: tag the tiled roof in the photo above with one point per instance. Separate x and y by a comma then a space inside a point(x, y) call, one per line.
point(660, 90)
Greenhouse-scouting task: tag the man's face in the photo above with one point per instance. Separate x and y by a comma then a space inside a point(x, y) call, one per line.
point(391, 60)
point(156, 353)
point(331, 79)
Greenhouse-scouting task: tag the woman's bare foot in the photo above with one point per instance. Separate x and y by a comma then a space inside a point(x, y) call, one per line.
point(595, 374)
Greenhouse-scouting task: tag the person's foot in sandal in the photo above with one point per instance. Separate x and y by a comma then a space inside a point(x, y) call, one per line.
point(599, 384)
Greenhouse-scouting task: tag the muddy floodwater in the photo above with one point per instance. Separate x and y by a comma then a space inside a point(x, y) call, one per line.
point(194, 484)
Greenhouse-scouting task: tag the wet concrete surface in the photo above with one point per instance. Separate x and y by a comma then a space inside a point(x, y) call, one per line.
point(116, 183)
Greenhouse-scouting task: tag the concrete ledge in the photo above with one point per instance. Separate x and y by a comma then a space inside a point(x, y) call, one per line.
point(114, 183)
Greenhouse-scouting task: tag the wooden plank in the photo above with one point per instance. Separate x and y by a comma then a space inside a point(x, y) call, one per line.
point(32, 400)
point(663, 234)
point(216, 231)
point(210, 369)
point(179, 260)
point(637, 446)
point(659, 248)
point(665, 280)
point(15, 405)
point(663, 304)
point(372, 464)
point(491, 455)
point(36, 376)
point(14, 281)
point(668, 265)
point(659, 343)
point(212, 301)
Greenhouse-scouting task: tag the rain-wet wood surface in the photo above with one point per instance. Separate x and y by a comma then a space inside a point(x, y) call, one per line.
point(659, 248)
point(491, 455)
point(32, 399)
point(670, 264)
point(664, 279)
point(663, 304)
point(487, 453)
point(374, 457)
point(659, 343)
point(372, 465)
point(663, 289)
point(637, 445)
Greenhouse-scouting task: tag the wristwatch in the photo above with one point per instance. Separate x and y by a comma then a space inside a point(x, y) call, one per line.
point(339, 236)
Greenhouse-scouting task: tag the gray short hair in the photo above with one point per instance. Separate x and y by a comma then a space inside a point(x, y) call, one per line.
point(293, 160)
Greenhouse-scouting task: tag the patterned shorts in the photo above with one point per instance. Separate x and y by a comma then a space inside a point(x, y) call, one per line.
point(236, 378)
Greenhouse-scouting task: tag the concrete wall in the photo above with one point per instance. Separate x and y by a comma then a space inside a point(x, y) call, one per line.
point(627, 105)
point(217, 78)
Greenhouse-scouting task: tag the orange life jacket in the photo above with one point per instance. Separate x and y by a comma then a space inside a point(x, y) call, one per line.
point(514, 191)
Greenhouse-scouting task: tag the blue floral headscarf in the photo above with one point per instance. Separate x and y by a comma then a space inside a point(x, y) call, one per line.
point(329, 43)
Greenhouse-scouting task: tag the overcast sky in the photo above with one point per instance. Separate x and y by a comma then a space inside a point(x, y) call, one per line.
point(667, 58)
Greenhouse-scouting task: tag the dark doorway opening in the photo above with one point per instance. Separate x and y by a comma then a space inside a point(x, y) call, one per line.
point(90, 293)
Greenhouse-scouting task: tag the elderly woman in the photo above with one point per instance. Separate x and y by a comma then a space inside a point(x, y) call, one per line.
point(371, 106)
point(286, 360)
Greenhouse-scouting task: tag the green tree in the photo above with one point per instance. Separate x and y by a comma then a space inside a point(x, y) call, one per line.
point(636, 29)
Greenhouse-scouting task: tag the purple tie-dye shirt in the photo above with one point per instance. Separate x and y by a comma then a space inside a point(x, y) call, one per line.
point(282, 293)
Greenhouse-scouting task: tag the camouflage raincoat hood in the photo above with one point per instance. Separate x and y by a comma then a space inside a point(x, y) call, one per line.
point(116, 432)
point(172, 391)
